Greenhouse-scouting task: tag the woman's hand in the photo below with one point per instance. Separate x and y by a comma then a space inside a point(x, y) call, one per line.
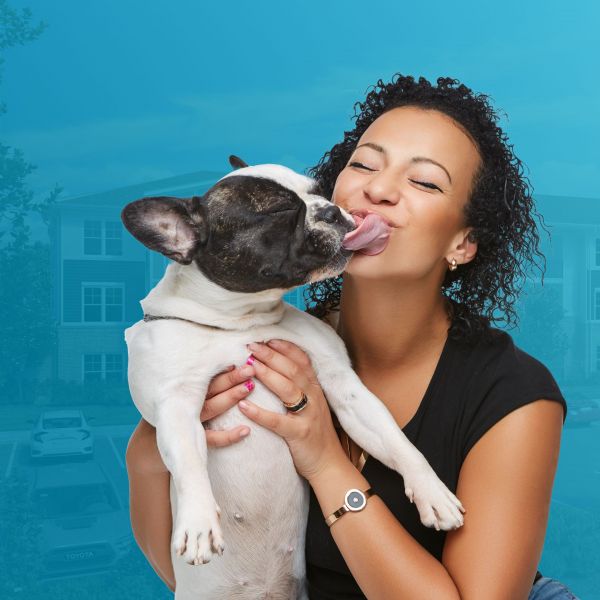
point(224, 391)
point(286, 370)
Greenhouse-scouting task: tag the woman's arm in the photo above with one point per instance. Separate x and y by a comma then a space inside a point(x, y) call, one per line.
point(149, 479)
point(505, 484)
point(386, 561)
point(149, 501)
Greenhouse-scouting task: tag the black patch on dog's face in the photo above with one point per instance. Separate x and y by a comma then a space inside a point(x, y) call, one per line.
point(246, 234)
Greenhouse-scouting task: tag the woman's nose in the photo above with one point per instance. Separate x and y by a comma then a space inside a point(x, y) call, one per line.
point(383, 188)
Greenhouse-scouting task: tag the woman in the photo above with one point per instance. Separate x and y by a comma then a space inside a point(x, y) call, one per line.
point(416, 322)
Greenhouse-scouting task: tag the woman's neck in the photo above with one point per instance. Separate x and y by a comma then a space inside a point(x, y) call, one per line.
point(386, 326)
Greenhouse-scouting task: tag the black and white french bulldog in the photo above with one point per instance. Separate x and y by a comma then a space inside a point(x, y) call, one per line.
point(257, 233)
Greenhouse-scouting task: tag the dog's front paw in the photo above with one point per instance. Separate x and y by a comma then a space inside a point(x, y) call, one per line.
point(438, 507)
point(197, 533)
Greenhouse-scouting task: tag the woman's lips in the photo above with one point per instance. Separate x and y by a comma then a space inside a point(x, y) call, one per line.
point(371, 234)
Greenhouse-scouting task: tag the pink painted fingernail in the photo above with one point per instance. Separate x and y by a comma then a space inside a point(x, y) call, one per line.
point(249, 385)
point(250, 360)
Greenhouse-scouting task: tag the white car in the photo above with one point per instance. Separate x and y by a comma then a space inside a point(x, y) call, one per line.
point(61, 433)
point(84, 525)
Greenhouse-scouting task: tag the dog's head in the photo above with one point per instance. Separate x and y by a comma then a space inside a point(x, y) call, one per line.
point(258, 228)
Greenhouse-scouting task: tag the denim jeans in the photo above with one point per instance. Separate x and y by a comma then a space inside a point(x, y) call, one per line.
point(550, 589)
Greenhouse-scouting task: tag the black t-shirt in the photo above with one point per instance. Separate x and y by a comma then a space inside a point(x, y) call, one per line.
point(472, 388)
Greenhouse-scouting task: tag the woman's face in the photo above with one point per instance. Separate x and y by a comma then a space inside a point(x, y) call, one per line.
point(415, 167)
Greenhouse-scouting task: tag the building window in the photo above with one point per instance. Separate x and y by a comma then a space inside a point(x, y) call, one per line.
point(596, 304)
point(113, 367)
point(102, 367)
point(102, 303)
point(597, 358)
point(113, 310)
point(92, 304)
point(92, 237)
point(296, 298)
point(102, 238)
point(92, 367)
point(112, 242)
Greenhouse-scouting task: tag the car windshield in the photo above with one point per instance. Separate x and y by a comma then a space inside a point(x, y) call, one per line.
point(75, 500)
point(61, 422)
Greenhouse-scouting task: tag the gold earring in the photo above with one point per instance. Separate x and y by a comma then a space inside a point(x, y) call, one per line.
point(453, 266)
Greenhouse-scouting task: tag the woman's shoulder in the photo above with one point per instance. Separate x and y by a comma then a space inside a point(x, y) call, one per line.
point(498, 351)
point(500, 377)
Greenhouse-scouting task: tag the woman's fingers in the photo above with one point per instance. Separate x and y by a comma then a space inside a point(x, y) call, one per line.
point(295, 354)
point(282, 425)
point(224, 381)
point(218, 439)
point(284, 377)
point(218, 404)
point(273, 421)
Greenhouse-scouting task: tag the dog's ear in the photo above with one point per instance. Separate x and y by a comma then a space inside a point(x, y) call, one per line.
point(236, 162)
point(175, 227)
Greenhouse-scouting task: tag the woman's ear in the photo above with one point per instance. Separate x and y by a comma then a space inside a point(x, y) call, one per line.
point(464, 247)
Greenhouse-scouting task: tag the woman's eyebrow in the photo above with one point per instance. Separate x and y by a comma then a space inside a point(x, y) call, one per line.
point(418, 159)
point(371, 145)
point(415, 159)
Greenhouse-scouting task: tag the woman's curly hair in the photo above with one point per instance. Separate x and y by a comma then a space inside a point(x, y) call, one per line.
point(500, 209)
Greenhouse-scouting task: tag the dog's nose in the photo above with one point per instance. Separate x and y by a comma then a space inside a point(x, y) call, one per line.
point(329, 214)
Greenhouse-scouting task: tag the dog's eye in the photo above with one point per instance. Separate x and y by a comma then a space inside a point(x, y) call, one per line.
point(281, 210)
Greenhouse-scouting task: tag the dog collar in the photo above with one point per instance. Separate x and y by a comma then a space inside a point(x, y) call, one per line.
point(148, 318)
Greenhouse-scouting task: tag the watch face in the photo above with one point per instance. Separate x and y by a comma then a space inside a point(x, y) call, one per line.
point(355, 500)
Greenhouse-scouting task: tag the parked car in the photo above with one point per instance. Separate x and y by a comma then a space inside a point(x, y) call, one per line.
point(61, 433)
point(584, 414)
point(84, 525)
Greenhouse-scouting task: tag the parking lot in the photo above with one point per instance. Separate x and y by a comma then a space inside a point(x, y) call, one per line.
point(574, 521)
point(110, 445)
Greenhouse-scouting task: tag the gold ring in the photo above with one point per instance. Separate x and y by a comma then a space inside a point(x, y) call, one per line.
point(299, 405)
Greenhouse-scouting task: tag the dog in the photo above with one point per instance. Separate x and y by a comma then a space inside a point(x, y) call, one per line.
point(259, 232)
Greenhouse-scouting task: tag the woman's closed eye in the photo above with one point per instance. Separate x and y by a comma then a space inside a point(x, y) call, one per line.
point(360, 166)
point(426, 184)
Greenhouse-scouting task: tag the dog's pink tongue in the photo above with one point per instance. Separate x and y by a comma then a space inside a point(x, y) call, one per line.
point(370, 236)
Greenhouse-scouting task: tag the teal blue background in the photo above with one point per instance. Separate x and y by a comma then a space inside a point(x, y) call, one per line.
point(116, 100)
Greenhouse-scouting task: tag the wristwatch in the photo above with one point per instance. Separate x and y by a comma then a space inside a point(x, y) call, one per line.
point(354, 501)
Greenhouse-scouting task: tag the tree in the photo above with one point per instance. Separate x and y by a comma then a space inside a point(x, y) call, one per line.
point(541, 331)
point(26, 324)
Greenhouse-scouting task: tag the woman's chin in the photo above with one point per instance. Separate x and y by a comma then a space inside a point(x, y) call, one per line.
point(365, 265)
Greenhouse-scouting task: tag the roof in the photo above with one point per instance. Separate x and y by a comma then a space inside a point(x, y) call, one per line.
point(181, 185)
point(569, 209)
point(554, 209)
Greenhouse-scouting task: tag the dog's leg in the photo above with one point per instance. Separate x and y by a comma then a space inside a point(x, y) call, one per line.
point(182, 444)
point(368, 422)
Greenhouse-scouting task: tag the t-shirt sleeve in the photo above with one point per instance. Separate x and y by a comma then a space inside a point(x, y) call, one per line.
point(511, 380)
